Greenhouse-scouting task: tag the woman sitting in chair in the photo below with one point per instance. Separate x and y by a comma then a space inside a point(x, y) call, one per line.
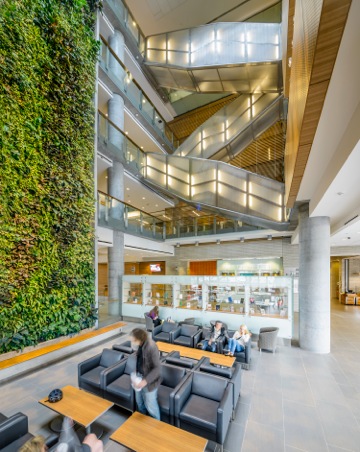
point(238, 341)
point(154, 315)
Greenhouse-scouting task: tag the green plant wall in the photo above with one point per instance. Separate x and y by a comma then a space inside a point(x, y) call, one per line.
point(47, 80)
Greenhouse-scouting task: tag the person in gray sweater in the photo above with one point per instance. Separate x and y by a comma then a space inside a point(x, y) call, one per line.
point(148, 377)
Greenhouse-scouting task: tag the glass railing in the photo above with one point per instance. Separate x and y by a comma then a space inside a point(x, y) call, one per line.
point(123, 79)
point(127, 20)
point(200, 181)
point(115, 214)
point(216, 44)
point(119, 145)
point(233, 122)
point(118, 215)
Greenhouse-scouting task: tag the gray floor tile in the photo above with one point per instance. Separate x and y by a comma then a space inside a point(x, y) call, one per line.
point(262, 438)
point(297, 389)
point(234, 437)
point(242, 413)
point(268, 410)
point(303, 429)
point(340, 426)
point(326, 389)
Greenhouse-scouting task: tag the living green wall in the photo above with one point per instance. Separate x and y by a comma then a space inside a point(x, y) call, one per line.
point(47, 80)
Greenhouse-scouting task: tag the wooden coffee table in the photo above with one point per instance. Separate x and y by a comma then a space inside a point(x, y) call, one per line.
point(81, 406)
point(196, 353)
point(145, 434)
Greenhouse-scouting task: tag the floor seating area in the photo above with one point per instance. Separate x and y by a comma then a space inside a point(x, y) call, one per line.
point(194, 395)
point(189, 335)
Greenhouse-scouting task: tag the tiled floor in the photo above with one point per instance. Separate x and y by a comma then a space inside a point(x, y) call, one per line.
point(290, 401)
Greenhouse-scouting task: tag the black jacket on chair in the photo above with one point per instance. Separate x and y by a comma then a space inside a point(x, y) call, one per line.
point(14, 432)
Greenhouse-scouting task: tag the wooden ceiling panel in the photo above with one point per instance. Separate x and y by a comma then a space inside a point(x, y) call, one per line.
point(330, 30)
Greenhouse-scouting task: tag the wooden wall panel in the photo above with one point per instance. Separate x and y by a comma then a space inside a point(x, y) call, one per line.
point(203, 268)
point(103, 280)
point(131, 268)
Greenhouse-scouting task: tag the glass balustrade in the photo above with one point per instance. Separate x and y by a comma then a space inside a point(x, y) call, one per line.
point(232, 123)
point(115, 214)
point(118, 215)
point(127, 20)
point(216, 44)
point(201, 181)
point(123, 79)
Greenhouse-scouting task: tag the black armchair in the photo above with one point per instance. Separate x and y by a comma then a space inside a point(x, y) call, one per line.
point(175, 359)
point(243, 357)
point(203, 406)
point(232, 374)
point(172, 378)
point(116, 384)
point(124, 347)
point(89, 371)
point(14, 432)
point(187, 335)
point(163, 332)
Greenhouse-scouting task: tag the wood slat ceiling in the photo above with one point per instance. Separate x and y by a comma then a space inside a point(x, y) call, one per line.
point(265, 156)
point(303, 117)
point(184, 125)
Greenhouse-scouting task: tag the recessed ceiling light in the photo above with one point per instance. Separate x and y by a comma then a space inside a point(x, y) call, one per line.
point(127, 188)
point(142, 147)
point(162, 144)
point(126, 133)
point(143, 197)
point(157, 205)
point(106, 177)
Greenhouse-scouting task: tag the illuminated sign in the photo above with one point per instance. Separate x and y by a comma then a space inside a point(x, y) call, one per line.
point(155, 268)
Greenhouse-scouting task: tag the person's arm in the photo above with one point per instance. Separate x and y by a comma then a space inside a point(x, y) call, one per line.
point(236, 335)
point(246, 337)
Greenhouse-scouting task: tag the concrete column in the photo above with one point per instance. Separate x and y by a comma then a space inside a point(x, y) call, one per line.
point(116, 190)
point(116, 116)
point(116, 43)
point(314, 281)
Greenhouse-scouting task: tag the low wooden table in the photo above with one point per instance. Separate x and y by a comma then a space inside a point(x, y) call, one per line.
point(196, 353)
point(145, 434)
point(81, 406)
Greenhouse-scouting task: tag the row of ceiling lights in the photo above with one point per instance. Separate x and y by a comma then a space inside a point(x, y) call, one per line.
point(218, 242)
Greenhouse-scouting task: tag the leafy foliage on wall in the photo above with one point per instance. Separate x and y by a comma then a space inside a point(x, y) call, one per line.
point(47, 79)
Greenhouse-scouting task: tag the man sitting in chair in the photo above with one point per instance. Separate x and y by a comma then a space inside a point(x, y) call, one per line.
point(218, 332)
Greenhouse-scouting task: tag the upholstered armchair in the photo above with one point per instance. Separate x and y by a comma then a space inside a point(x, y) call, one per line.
point(267, 338)
point(187, 335)
point(164, 331)
point(232, 374)
point(172, 378)
point(89, 371)
point(203, 406)
point(116, 384)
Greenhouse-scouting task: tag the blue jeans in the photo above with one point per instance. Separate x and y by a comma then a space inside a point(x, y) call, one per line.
point(147, 402)
point(206, 345)
point(234, 346)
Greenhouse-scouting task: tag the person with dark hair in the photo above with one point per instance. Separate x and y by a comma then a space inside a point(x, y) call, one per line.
point(218, 331)
point(154, 315)
point(147, 372)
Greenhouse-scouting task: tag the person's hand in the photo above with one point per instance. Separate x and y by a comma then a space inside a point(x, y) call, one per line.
point(210, 341)
point(95, 444)
point(141, 384)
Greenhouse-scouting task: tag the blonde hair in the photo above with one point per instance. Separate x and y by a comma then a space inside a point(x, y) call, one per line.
point(245, 329)
point(36, 444)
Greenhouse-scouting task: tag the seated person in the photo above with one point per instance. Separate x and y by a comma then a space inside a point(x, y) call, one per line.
point(217, 333)
point(154, 315)
point(90, 444)
point(238, 341)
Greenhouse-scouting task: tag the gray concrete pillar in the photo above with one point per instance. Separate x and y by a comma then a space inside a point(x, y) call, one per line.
point(116, 212)
point(116, 116)
point(314, 281)
point(116, 43)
